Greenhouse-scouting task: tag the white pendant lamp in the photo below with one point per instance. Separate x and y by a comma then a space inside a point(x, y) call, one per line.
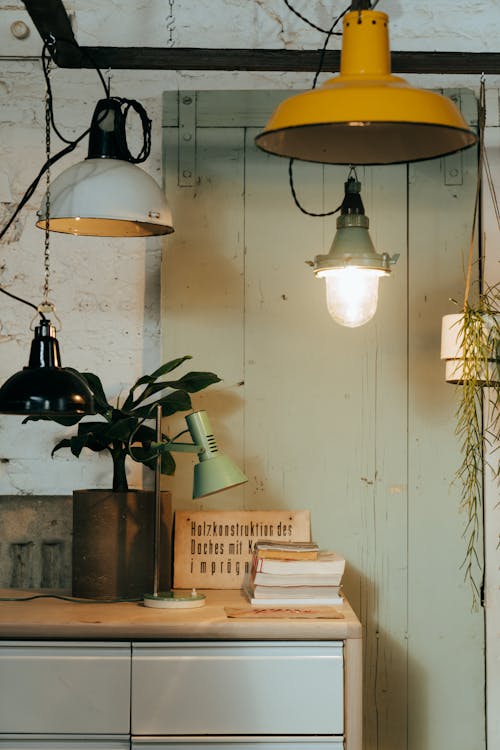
point(107, 195)
point(365, 115)
point(353, 267)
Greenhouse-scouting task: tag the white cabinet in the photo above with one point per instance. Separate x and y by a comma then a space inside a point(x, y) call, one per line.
point(180, 680)
point(234, 688)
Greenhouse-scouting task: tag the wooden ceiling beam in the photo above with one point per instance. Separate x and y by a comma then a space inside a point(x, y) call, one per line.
point(50, 17)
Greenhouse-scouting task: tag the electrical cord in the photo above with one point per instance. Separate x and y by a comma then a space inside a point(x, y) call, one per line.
point(306, 20)
point(296, 200)
point(73, 599)
point(328, 34)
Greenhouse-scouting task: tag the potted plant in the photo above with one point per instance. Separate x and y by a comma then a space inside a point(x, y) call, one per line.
point(471, 346)
point(113, 529)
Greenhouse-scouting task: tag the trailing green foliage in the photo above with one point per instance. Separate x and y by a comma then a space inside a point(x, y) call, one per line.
point(477, 420)
point(122, 431)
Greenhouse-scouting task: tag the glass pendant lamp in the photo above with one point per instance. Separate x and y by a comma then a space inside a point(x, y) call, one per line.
point(353, 267)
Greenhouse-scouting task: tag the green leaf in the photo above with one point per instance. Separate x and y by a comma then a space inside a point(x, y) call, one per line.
point(65, 443)
point(96, 435)
point(172, 403)
point(96, 428)
point(147, 379)
point(77, 443)
point(95, 385)
point(65, 421)
point(193, 382)
point(167, 464)
point(144, 434)
point(167, 367)
point(122, 429)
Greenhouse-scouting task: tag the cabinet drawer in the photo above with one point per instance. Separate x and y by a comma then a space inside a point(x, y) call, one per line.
point(238, 743)
point(233, 688)
point(64, 687)
point(58, 742)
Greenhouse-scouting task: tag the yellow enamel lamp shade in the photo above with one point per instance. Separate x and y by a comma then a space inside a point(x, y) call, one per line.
point(365, 115)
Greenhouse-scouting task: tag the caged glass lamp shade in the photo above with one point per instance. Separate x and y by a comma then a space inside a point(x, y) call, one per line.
point(353, 267)
point(365, 115)
point(106, 195)
point(352, 294)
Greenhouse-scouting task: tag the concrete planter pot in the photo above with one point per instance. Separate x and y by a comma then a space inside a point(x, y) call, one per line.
point(113, 536)
point(488, 370)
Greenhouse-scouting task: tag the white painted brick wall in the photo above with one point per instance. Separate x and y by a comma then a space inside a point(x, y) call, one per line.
point(107, 291)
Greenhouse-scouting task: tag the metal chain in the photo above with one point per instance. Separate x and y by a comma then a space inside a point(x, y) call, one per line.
point(46, 253)
point(170, 25)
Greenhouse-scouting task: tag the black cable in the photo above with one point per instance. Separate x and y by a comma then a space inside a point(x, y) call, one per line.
point(73, 599)
point(47, 52)
point(297, 203)
point(329, 34)
point(306, 20)
point(24, 301)
point(127, 105)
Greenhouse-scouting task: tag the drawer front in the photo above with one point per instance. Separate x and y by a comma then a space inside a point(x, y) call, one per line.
point(65, 688)
point(237, 688)
point(42, 742)
point(238, 743)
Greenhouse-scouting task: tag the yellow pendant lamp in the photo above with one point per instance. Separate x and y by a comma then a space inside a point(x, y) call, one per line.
point(365, 115)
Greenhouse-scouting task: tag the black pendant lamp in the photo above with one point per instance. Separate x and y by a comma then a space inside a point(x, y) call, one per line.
point(44, 388)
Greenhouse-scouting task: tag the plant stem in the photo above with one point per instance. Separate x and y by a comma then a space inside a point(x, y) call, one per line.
point(118, 454)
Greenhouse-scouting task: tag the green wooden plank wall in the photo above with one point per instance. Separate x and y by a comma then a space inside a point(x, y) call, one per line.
point(355, 424)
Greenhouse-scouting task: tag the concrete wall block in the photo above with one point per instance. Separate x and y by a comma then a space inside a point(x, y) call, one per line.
point(35, 541)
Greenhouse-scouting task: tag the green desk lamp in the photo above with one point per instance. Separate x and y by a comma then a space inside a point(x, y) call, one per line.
point(214, 472)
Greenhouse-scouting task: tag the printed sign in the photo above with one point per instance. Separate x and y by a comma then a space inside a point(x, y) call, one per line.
point(213, 549)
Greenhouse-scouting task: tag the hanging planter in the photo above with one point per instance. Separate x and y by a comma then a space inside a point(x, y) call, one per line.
point(470, 346)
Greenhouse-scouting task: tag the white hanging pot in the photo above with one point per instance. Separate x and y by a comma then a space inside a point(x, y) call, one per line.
point(482, 363)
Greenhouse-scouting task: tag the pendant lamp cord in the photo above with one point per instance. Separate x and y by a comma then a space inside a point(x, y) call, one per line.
point(308, 21)
point(328, 34)
point(296, 200)
point(48, 54)
point(481, 126)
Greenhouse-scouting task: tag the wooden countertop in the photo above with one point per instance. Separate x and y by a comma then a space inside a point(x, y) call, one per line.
point(58, 619)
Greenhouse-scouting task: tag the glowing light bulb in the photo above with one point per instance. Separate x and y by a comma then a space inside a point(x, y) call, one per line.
point(352, 294)
point(353, 267)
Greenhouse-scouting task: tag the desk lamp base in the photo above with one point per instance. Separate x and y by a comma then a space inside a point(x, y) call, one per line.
point(174, 600)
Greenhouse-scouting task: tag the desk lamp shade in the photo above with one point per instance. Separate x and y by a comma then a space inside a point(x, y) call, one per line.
point(45, 388)
point(365, 115)
point(106, 195)
point(215, 471)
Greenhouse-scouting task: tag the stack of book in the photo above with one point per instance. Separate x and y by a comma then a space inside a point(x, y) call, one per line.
point(294, 573)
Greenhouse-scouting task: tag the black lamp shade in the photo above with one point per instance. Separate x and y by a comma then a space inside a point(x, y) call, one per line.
point(44, 387)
